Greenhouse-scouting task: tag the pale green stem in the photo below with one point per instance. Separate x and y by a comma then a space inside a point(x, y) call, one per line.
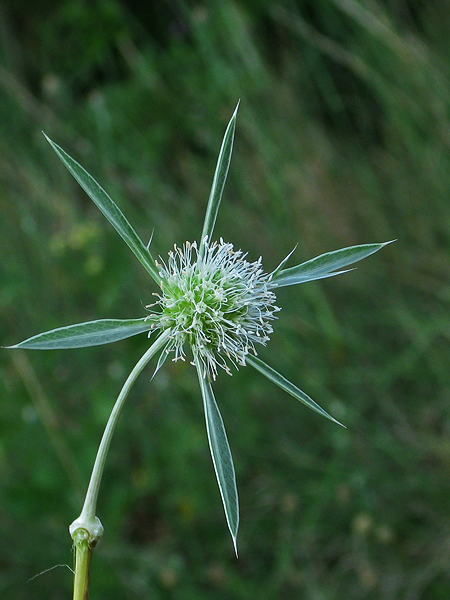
point(87, 529)
point(83, 555)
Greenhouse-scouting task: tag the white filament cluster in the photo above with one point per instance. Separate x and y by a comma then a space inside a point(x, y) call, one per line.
point(220, 305)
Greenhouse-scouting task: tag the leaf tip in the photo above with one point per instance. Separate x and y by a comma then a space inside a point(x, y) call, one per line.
point(235, 545)
point(339, 423)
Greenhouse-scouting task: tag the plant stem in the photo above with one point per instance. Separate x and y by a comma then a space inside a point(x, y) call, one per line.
point(83, 556)
point(87, 529)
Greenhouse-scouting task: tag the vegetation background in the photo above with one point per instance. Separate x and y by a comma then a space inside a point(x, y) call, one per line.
point(343, 138)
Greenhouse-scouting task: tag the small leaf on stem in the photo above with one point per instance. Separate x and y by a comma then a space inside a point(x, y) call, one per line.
point(325, 265)
point(220, 176)
point(110, 209)
point(82, 335)
point(221, 454)
point(288, 387)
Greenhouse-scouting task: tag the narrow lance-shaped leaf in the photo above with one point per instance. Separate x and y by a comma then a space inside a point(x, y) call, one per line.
point(220, 176)
point(283, 262)
point(81, 335)
point(221, 455)
point(325, 265)
point(287, 386)
point(162, 358)
point(110, 209)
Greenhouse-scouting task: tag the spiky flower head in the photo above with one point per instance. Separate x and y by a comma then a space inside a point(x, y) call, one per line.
point(220, 304)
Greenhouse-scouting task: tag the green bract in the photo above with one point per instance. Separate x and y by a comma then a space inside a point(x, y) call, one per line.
point(211, 301)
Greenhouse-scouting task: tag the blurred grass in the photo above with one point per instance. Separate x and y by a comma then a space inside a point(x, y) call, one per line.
point(342, 138)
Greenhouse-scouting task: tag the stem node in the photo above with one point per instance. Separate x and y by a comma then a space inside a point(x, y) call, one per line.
point(85, 528)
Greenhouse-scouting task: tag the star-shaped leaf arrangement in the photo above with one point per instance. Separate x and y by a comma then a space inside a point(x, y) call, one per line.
point(212, 303)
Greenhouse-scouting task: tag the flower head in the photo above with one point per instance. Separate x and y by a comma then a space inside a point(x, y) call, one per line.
point(213, 300)
point(220, 305)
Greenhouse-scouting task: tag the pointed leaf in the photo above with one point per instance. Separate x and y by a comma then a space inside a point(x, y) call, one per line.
point(220, 176)
point(81, 335)
point(287, 386)
point(325, 265)
point(162, 358)
point(110, 209)
point(221, 455)
point(283, 262)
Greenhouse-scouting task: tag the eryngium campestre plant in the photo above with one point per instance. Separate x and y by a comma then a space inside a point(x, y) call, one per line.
point(211, 300)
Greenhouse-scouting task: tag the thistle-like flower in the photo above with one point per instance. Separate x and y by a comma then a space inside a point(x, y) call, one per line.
point(212, 300)
point(220, 306)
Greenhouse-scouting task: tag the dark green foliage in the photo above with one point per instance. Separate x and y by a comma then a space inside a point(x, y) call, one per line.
point(342, 139)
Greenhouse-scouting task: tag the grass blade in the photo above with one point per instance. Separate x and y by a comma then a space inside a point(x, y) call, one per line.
point(221, 455)
point(110, 209)
point(220, 176)
point(287, 386)
point(82, 335)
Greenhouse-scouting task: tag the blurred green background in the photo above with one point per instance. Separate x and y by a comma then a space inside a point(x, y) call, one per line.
point(343, 137)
